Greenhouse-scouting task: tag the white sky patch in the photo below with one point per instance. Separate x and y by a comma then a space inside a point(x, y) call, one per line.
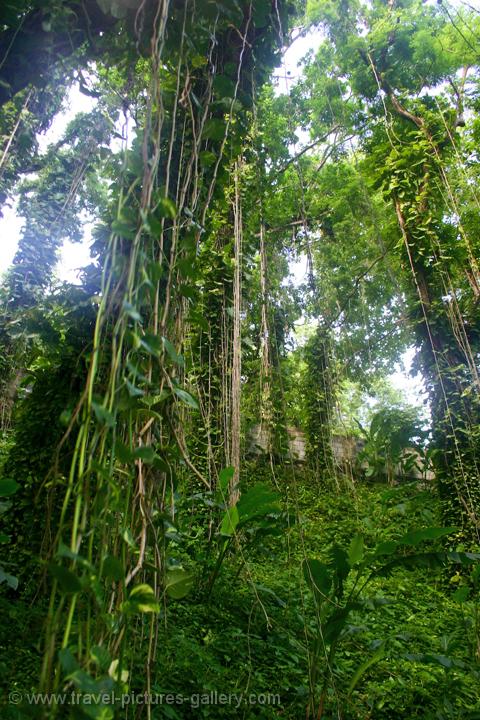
point(289, 71)
point(412, 387)
point(10, 228)
point(72, 255)
point(74, 103)
point(125, 128)
point(298, 269)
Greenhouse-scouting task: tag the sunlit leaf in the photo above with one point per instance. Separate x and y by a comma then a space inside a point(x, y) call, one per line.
point(355, 551)
point(186, 398)
point(230, 521)
point(178, 583)
point(141, 600)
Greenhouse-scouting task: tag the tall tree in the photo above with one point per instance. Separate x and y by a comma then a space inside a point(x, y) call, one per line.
point(407, 69)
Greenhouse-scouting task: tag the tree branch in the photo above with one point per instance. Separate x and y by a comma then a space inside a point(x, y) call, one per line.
point(29, 51)
point(313, 144)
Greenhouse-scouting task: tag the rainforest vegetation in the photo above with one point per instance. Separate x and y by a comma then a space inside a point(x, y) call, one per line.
point(214, 500)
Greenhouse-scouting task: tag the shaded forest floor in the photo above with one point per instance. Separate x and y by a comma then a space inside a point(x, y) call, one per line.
point(247, 635)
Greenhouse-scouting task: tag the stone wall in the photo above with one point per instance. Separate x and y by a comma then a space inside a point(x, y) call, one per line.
point(345, 448)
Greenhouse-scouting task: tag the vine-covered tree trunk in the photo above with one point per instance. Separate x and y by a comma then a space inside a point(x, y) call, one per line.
point(236, 371)
point(454, 398)
point(319, 398)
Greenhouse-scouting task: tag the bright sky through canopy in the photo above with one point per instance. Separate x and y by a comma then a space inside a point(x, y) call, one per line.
point(74, 256)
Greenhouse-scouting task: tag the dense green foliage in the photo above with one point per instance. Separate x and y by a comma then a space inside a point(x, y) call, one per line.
point(419, 630)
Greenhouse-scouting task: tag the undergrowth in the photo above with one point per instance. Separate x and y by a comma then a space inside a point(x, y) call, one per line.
point(243, 646)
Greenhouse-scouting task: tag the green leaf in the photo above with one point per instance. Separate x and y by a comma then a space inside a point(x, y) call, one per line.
point(117, 9)
point(123, 453)
point(115, 674)
point(341, 566)
point(146, 453)
point(214, 129)
point(162, 465)
point(336, 622)
point(65, 417)
point(224, 478)
point(85, 683)
point(178, 583)
point(167, 208)
point(172, 353)
point(188, 291)
point(10, 580)
point(101, 657)
point(186, 398)
point(68, 662)
point(131, 311)
point(429, 561)
point(318, 577)
point(207, 158)
point(415, 537)
point(133, 391)
point(113, 568)
point(152, 400)
point(141, 600)
point(475, 575)
point(262, 589)
point(431, 659)
point(461, 594)
point(68, 583)
point(155, 269)
point(198, 61)
point(103, 415)
point(8, 487)
point(356, 550)
point(386, 548)
point(152, 344)
point(122, 229)
point(258, 501)
point(229, 522)
point(361, 670)
point(261, 13)
point(104, 6)
point(223, 86)
point(65, 552)
point(128, 537)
